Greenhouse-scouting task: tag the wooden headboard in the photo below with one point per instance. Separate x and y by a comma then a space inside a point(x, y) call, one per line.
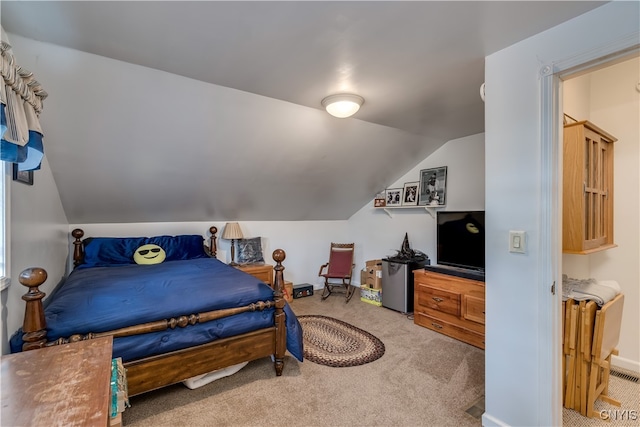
point(78, 246)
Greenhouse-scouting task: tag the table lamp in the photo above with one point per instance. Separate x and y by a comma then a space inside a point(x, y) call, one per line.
point(232, 232)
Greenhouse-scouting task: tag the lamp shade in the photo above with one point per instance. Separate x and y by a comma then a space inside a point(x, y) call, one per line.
point(232, 231)
point(342, 105)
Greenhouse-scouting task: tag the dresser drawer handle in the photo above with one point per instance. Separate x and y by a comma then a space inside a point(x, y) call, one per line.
point(436, 299)
point(435, 325)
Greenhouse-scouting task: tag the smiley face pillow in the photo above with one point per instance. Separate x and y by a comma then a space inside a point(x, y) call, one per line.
point(149, 254)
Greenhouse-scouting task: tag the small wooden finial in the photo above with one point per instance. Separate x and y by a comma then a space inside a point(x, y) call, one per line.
point(279, 255)
point(33, 277)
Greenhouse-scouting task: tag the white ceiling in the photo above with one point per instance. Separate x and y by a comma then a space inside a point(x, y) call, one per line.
point(419, 66)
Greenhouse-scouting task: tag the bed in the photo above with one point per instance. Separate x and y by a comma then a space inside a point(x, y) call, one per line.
point(185, 316)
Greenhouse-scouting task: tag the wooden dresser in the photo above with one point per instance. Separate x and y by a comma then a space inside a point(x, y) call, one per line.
point(451, 305)
point(263, 272)
point(65, 385)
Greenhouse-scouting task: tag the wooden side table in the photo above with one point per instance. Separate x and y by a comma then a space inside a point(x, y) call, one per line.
point(65, 385)
point(263, 272)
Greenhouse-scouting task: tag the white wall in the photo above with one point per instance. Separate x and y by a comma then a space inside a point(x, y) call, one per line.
point(515, 389)
point(375, 234)
point(378, 235)
point(39, 238)
point(608, 97)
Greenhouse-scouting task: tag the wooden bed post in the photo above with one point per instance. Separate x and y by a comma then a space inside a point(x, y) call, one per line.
point(78, 249)
point(281, 330)
point(34, 327)
point(213, 248)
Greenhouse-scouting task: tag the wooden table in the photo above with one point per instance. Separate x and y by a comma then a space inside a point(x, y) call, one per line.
point(63, 385)
point(263, 272)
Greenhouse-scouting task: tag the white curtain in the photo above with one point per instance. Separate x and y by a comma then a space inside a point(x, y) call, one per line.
point(21, 97)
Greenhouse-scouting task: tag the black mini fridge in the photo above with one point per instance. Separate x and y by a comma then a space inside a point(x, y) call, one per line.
point(397, 283)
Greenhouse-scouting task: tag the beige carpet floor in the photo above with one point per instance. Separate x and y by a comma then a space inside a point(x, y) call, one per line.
point(423, 379)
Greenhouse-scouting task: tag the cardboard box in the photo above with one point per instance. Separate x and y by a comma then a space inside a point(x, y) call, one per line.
point(371, 276)
point(374, 263)
point(371, 296)
point(288, 291)
point(302, 290)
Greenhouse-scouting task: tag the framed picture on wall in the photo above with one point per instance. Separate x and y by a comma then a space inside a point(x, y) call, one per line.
point(410, 193)
point(394, 196)
point(433, 187)
point(26, 177)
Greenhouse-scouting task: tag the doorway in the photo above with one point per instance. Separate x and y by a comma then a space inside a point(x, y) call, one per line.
point(607, 93)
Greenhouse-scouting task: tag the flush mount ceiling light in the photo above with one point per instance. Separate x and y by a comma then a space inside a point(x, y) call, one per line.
point(342, 105)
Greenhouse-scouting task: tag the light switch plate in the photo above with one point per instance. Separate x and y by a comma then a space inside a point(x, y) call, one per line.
point(517, 241)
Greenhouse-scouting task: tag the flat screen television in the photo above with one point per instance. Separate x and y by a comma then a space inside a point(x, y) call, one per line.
point(460, 239)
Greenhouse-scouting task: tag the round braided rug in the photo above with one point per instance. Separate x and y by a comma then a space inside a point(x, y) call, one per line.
point(332, 342)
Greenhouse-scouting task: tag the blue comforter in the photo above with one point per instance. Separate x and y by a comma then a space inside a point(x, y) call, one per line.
point(100, 299)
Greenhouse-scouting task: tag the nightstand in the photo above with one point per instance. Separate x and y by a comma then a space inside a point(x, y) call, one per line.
point(263, 272)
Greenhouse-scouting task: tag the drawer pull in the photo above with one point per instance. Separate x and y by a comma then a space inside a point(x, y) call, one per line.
point(435, 325)
point(436, 299)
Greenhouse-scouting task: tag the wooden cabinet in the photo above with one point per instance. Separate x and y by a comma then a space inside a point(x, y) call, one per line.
point(587, 197)
point(451, 305)
point(263, 272)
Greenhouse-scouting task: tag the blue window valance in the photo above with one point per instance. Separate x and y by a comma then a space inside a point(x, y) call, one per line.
point(21, 99)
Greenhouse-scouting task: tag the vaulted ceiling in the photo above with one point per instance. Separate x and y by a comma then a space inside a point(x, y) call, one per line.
point(207, 110)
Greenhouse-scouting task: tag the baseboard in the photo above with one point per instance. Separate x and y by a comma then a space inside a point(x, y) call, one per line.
point(628, 364)
point(490, 421)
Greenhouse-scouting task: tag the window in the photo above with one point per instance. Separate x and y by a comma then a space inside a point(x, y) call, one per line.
point(5, 276)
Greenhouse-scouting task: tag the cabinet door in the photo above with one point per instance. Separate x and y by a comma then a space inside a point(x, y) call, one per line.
point(588, 189)
point(594, 190)
point(473, 308)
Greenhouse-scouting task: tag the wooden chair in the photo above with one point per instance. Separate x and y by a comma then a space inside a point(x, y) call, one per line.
point(606, 335)
point(571, 327)
point(588, 314)
point(590, 336)
point(338, 270)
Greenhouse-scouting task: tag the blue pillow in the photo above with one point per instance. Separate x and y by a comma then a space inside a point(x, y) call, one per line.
point(113, 251)
point(179, 247)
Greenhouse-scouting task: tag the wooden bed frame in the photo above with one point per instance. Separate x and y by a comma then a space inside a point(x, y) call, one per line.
point(154, 372)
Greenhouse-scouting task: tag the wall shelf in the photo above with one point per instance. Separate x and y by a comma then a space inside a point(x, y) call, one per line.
point(431, 210)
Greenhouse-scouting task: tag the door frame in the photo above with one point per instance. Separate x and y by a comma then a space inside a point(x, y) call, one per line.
point(550, 293)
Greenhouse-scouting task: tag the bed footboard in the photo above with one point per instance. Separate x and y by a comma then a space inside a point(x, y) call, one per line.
point(221, 353)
